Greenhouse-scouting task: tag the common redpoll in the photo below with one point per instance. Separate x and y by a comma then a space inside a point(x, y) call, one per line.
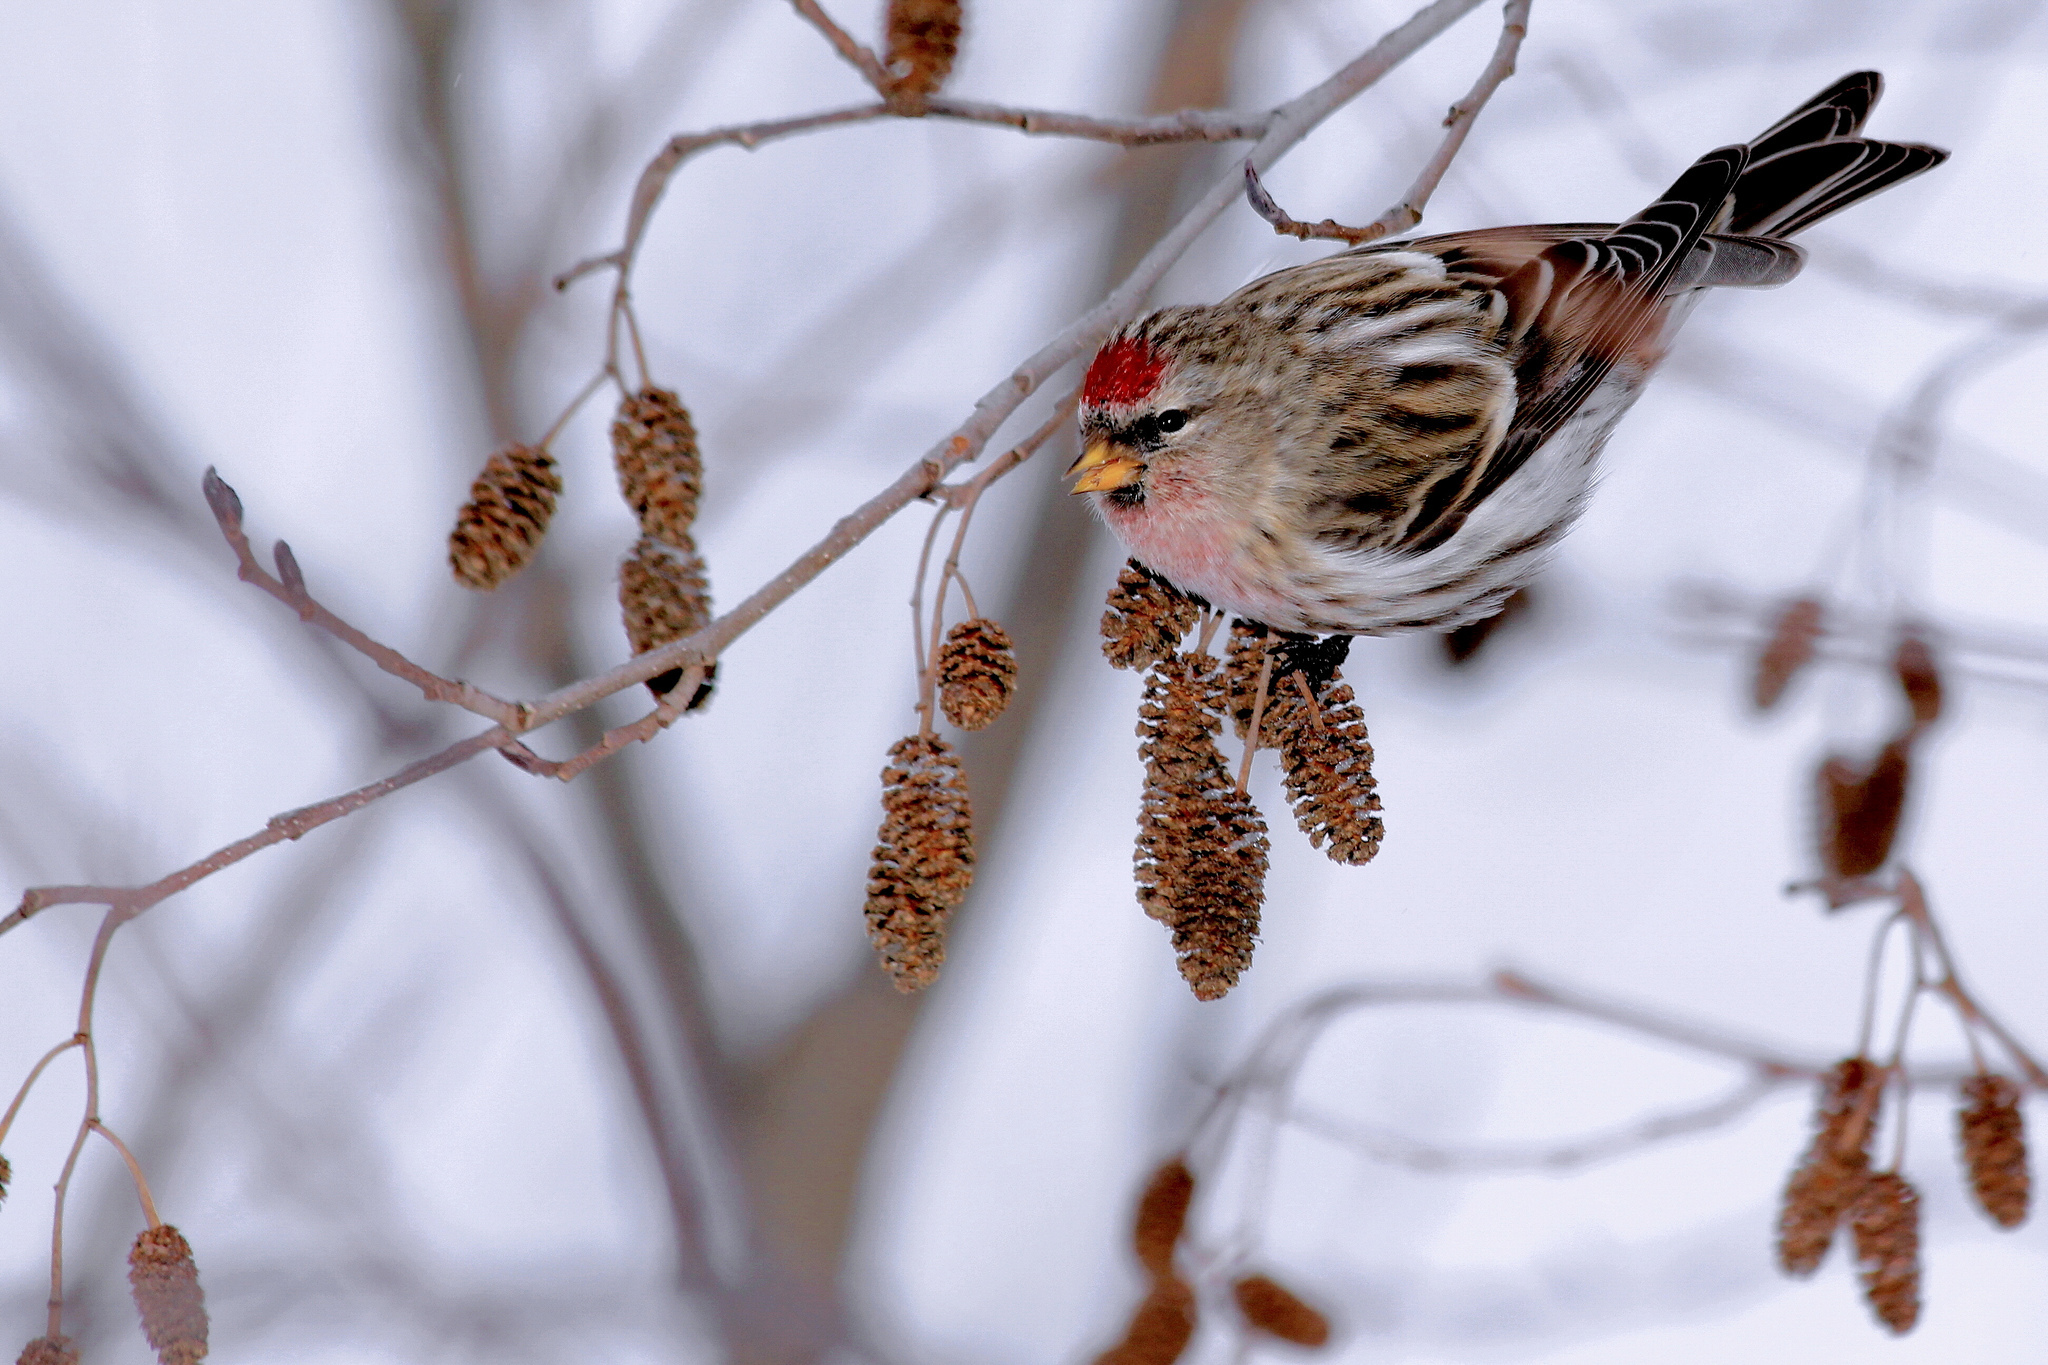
point(1396, 437)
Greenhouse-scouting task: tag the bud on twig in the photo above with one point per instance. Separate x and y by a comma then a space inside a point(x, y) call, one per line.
point(923, 860)
point(1274, 1309)
point(1201, 854)
point(1994, 1146)
point(1886, 1224)
point(508, 511)
point(654, 450)
point(1832, 1172)
point(1328, 768)
point(663, 597)
point(1789, 650)
point(923, 39)
point(1161, 1328)
point(49, 1351)
point(1919, 679)
point(166, 1286)
point(1860, 809)
point(1145, 620)
point(977, 673)
point(1163, 1216)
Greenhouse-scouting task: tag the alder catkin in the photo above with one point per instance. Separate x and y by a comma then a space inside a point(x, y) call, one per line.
point(1993, 1139)
point(663, 596)
point(977, 673)
point(6, 1174)
point(1163, 1216)
point(1328, 768)
point(49, 1351)
point(923, 859)
point(508, 511)
point(1860, 809)
point(1789, 649)
point(1160, 1329)
point(1833, 1169)
point(1145, 619)
point(654, 450)
point(1919, 679)
point(166, 1286)
point(922, 39)
point(1201, 854)
point(1277, 1311)
point(1886, 1224)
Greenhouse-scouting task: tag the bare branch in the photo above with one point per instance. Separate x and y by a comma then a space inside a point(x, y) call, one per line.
point(857, 54)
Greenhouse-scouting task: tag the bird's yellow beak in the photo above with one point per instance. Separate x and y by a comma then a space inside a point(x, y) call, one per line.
point(1104, 466)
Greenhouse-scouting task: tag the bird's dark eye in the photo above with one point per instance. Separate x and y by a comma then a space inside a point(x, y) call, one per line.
point(1172, 421)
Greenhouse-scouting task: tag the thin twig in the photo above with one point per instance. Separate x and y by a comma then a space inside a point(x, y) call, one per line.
point(858, 54)
point(1251, 739)
point(35, 1072)
point(134, 1171)
point(1913, 902)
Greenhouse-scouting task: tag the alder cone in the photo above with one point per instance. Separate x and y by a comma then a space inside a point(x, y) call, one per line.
point(1145, 620)
point(49, 1351)
point(1994, 1145)
point(922, 40)
point(923, 860)
point(1833, 1170)
point(661, 473)
point(1860, 809)
point(1160, 1329)
point(1200, 860)
point(1919, 679)
point(6, 1174)
point(664, 597)
point(165, 1282)
point(1163, 1216)
point(977, 673)
point(1275, 1310)
point(1328, 771)
point(1787, 652)
point(1886, 1225)
point(508, 511)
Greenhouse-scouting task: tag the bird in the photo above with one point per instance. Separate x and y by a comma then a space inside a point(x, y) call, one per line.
point(1396, 437)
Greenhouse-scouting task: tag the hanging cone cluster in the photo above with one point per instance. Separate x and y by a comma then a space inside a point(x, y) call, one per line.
point(1274, 1309)
point(923, 861)
point(977, 673)
point(1832, 1172)
point(1201, 854)
point(49, 1351)
point(661, 474)
point(165, 1283)
point(508, 511)
point(663, 596)
point(921, 39)
point(1328, 763)
point(1787, 652)
point(1994, 1145)
point(1145, 619)
point(1886, 1225)
point(1164, 1322)
point(664, 590)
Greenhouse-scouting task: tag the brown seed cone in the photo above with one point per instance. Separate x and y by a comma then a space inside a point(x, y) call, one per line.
point(166, 1286)
point(1145, 619)
point(1201, 854)
point(664, 596)
point(923, 861)
point(1833, 1170)
point(1994, 1146)
point(1886, 1225)
point(1919, 679)
point(1161, 1328)
point(1789, 650)
point(923, 38)
point(6, 1174)
point(1250, 644)
point(977, 673)
point(654, 450)
point(1273, 1308)
point(1860, 809)
point(1328, 769)
point(1163, 1216)
point(49, 1351)
point(508, 511)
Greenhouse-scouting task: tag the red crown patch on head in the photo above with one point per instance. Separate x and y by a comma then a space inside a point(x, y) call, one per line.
point(1123, 372)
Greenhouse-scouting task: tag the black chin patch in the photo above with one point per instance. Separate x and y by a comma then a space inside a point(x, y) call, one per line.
point(1130, 495)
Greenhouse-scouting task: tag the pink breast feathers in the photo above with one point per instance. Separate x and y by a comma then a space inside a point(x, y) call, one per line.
point(1123, 374)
